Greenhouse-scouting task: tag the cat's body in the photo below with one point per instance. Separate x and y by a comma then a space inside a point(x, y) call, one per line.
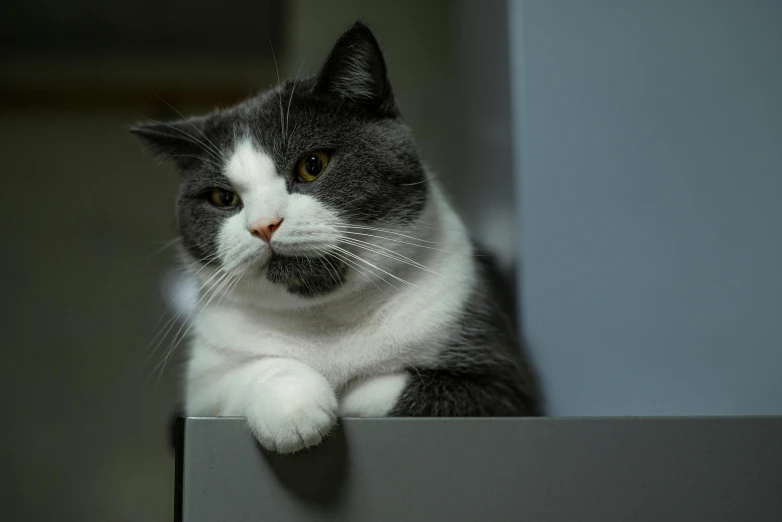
point(336, 279)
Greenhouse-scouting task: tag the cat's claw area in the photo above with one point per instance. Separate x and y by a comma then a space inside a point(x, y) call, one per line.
point(297, 421)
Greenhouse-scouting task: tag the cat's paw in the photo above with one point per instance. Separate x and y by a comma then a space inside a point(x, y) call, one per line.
point(296, 414)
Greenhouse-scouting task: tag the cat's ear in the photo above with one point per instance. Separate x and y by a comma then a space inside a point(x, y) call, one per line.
point(355, 70)
point(181, 141)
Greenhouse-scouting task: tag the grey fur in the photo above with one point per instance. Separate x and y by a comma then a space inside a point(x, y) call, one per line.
point(483, 371)
point(374, 176)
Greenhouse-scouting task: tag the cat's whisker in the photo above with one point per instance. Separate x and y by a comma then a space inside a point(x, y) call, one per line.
point(304, 281)
point(216, 287)
point(152, 353)
point(402, 259)
point(174, 318)
point(231, 288)
point(325, 258)
point(386, 231)
point(279, 91)
point(208, 161)
point(385, 252)
point(182, 287)
point(215, 148)
point(416, 182)
point(351, 254)
point(360, 270)
point(290, 99)
point(162, 249)
point(189, 137)
point(206, 259)
point(400, 241)
point(168, 325)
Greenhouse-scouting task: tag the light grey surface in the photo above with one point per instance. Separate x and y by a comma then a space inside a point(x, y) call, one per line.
point(649, 147)
point(486, 470)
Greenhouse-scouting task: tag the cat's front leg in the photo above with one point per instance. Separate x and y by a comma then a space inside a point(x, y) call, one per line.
point(288, 405)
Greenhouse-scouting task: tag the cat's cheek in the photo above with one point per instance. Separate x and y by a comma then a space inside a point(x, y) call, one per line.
point(373, 396)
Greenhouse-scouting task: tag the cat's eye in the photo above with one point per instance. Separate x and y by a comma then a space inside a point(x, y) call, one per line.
point(311, 165)
point(223, 198)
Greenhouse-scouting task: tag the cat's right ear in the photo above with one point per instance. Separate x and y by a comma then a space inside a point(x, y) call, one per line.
point(181, 141)
point(355, 70)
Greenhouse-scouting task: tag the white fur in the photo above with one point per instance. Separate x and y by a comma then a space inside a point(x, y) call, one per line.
point(373, 396)
point(278, 359)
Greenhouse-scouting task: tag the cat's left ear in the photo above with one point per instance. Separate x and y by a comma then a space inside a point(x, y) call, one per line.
point(356, 71)
point(181, 141)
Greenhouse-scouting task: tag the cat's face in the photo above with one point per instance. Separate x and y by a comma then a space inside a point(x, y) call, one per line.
point(291, 185)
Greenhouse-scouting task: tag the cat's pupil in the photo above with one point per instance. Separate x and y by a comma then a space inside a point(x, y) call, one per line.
point(226, 198)
point(313, 165)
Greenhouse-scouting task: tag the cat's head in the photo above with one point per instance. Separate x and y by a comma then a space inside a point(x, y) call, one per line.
point(292, 184)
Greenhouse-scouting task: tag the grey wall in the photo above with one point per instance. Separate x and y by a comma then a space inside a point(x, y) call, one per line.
point(483, 192)
point(649, 148)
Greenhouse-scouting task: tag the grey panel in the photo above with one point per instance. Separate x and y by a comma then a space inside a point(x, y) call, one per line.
point(678, 469)
point(650, 138)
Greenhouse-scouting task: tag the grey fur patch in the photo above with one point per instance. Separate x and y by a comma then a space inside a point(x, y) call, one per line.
point(307, 277)
point(483, 371)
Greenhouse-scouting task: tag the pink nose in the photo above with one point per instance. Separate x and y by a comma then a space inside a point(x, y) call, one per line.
point(264, 228)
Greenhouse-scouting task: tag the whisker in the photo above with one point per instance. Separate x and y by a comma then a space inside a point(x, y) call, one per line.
point(165, 335)
point(215, 148)
point(360, 270)
point(326, 259)
point(414, 183)
point(181, 289)
point(290, 99)
point(385, 231)
point(394, 240)
point(188, 136)
point(177, 338)
point(162, 249)
point(388, 253)
point(351, 254)
point(279, 93)
point(208, 161)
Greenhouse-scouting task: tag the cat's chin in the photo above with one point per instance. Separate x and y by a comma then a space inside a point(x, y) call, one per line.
point(306, 276)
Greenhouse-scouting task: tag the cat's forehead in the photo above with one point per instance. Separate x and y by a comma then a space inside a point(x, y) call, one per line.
point(280, 113)
point(248, 165)
point(285, 121)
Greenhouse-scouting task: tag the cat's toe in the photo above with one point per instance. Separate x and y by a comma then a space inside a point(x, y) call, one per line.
point(295, 423)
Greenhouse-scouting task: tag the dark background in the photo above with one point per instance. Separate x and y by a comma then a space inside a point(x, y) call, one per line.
point(84, 431)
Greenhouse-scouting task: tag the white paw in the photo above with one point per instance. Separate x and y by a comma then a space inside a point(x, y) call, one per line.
point(295, 414)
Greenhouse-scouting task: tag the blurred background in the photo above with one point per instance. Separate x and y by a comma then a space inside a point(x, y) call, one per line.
point(85, 429)
point(634, 148)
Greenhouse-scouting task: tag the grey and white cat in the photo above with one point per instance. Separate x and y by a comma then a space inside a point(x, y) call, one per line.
point(335, 278)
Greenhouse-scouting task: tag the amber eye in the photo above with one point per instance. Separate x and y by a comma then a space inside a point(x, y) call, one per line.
point(223, 198)
point(312, 165)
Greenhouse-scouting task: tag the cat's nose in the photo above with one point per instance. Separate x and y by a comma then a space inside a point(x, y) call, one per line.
point(264, 228)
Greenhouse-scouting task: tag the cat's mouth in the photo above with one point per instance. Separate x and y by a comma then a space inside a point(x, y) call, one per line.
point(306, 275)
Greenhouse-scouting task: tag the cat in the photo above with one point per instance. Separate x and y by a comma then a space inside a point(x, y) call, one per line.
point(335, 277)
